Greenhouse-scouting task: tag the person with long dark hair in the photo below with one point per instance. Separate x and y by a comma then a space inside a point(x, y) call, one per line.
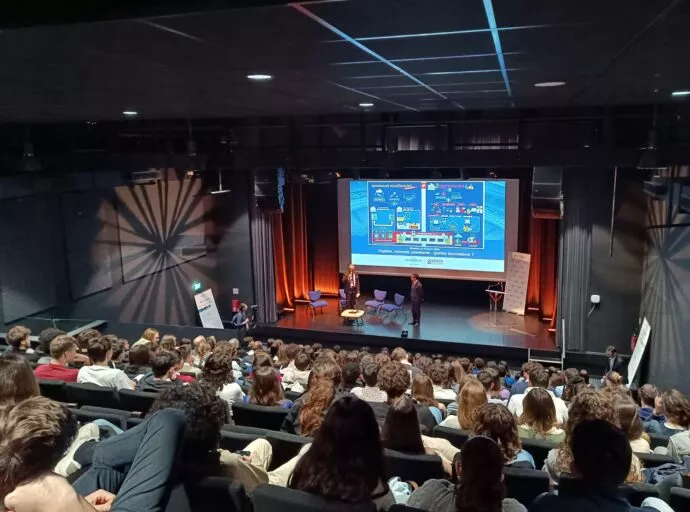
point(17, 380)
point(480, 485)
point(266, 390)
point(345, 462)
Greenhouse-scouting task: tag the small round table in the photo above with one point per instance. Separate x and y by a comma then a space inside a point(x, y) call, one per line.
point(354, 315)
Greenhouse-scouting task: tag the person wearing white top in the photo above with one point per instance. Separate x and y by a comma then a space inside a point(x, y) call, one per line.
point(100, 373)
point(539, 378)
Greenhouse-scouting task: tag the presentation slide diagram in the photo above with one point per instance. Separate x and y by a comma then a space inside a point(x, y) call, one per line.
point(429, 224)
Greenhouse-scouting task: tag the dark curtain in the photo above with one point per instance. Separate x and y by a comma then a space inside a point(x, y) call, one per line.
point(263, 264)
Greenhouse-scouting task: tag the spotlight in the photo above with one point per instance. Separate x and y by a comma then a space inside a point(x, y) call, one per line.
point(680, 93)
point(549, 84)
point(259, 77)
point(366, 105)
point(130, 113)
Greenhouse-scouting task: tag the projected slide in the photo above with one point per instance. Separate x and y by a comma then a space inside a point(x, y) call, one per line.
point(452, 225)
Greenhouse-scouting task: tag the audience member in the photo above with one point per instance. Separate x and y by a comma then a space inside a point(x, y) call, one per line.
point(219, 375)
point(456, 374)
point(649, 410)
point(17, 381)
point(187, 361)
point(439, 375)
point(150, 337)
point(400, 355)
point(423, 394)
point(345, 462)
point(538, 377)
point(677, 412)
point(351, 374)
point(307, 413)
point(44, 338)
point(139, 360)
point(19, 340)
point(480, 484)
point(161, 375)
point(63, 349)
point(504, 372)
point(203, 352)
point(472, 396)
point(371, 391)
point(613, 381)
point(84, 337)
point(491, 381)
point(585, 376)
point(168, 342)
point(630, 423)
point(538, 419)
point(266, 390)
point(100, 373)
point(571, 389)
point(496, 422)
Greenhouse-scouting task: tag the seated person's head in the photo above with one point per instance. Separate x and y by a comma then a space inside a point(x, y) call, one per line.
point(399, 354)
point(162, 364)
point(197, 341)
point(381, 360)
point(266, 389)
point(471, 398)
point(480, 475)
point(255, 345)
point(84, 337)
point(203, 349)
point(17, 380)
point(394, 379)
point(63, 348)
point(502, 369)
point(557, 379)
point(120, 347)
point(99, 350)
point(262, 358)
point(585, 376)
point(35, 435)
point(488, 379)
point(139, 356)
point(479, 363)
point(628, 417)
point(46, 336)
point(571, 373)
point(601, 454)
point(538, 411)
point(324, 380)
point(676, 408)
point(647, 395)
point(302, 362)
point(218, 370)
point(614, 380)
point(370, 374)
point(438, 374)
point(539, 377)
point(291, 351)
point(400, 430)
point(351, 373)
point(185, 352)
point(345, 461)
point(466, 364)
point(151, 335)
point(495, 421)
point(206, 414)
point(211, 340)
point(168, 342)
point(572, 388)
point(18, 338)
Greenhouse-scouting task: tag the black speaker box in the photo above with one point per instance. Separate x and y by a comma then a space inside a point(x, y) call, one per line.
point(547, 193)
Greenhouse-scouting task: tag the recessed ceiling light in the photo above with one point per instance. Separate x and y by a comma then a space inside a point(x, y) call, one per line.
point(680, 93)
point(366, 105)
point(260, 77)
point(129, 113)
point(549, 84)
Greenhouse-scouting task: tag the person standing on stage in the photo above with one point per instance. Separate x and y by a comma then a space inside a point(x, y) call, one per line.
point(416, 298)
point(351, 286)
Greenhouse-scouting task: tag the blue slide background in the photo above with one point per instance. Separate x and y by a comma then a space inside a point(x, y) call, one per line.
point(364, 194)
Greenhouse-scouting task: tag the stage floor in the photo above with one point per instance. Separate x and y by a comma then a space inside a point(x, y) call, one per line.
point(439, 323)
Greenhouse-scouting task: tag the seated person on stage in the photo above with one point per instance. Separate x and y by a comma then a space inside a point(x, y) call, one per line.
point(63, 350)
point(371, 391)
point(439, 375)
point(394, 379)
point(677, 411)
point(298, 378)
point(538, 377)
point(601, 458)
point(480, 483)
point(472, 396)
point(496, 422)
point(650, 404)
point(100, 352)
point(162, 373)
point(538, 419)
point(130, 471)
point(266, 390)
point(19, 340)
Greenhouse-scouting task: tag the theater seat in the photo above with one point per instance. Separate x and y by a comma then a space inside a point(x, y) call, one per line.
point(272, 498)
point(402, 508)
point(87, 416)
point(525, 484)
point(656, 440)
point(234, 438)
point(638, 492)
point(653, 460)
point(136, 401)
point(539, 449)
point(91, 394)
point(53, 389)
point(417, 468)
point(209, 493)
point(455, 436)
point(285, 446)
point(680, 499)
point(261, 416)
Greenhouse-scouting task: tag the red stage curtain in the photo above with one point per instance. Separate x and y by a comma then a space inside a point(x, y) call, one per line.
point(543, 274)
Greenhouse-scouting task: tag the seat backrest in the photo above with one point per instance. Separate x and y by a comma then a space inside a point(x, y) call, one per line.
point(285, 446)
point(399, 507)
point(235, 438)
point(87, 416)
point(525, 485)
point(638, 492)
point(455, 436)
point(417, 468)
point(272, 498)
point(92, 394)
point(653, 460)
point(293, 395)
point(380, 295)
point(314, 295)
point(139, 401)
point(208, 493)
point(680, 499)
point(53, 389)
point(656, 440)
point(260, 416)
point(539, 449)
point(399, 299)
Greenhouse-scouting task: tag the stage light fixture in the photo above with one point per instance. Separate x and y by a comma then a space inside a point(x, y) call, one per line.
point(549, 84)
point(681, 93)
point(260, 77)
point(366, 105)
point(130, 113)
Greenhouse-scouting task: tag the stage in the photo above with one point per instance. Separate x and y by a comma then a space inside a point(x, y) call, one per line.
point(448, 329)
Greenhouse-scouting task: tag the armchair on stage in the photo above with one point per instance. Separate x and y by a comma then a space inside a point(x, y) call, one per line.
point(315, 301)
point(396, 307)
point(378, 301)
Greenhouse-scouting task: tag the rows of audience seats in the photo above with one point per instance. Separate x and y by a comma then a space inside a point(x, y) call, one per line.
point(283, 394)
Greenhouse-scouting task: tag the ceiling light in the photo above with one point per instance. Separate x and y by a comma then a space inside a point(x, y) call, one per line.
point(549, 84)
point(130, 113)
point(680, 93)
point(260, 77)
point(366, 105)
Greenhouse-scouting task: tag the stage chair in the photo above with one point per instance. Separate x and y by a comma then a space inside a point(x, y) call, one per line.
point(137, 401)
point(342, 301)
point(234, 438)
point(378, 301)
point(91, 394)
point(417, 468)
point(273, 498)
point(680, 499)
point(396, 307)
point(654, 460)
point(525, 484)
point(656, 440)
point(539, 449)
point(455, 436)
point(53, 389)
point(285, 446)
point(260, 416)
point(315, 301)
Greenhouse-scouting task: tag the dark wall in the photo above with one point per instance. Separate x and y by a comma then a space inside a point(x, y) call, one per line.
point(79, 233)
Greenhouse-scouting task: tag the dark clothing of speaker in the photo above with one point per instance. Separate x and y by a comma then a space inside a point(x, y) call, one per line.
point(416, 297)
point(351, 287)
